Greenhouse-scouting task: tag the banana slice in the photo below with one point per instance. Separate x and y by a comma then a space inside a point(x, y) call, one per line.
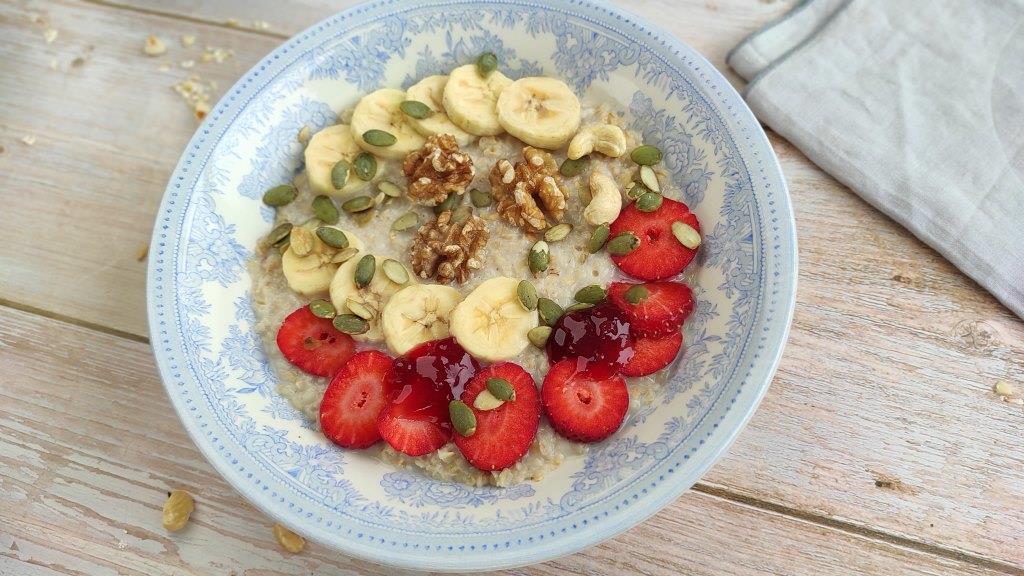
point(430, 91)
point(416, 314)
point(379, 111)
point(370, 298)
point(325, 149)
point(312, 273)
point(469, 99)
point(542, 112)
point(490, 323)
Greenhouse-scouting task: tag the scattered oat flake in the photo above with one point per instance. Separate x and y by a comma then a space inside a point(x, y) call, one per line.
point(154, 46)
point(29, 139)
point(186, 64)
point(53, 64)
point(142, 253)
point(50, 35)
point(188, 40)
point(261, 25)
point(196, 94)
point(218, 55)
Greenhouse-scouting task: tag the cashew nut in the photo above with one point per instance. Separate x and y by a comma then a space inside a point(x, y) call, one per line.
point(607, 139)
point(606, 200)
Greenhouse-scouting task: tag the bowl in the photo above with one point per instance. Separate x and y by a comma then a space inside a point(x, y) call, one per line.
point(211, 217)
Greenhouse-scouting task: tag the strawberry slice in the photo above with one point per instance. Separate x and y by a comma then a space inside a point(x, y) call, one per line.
point(582, 405)
point(652, 354)
point(504, 434)
point(412, 436)
point(354, 399)
point(313, 344)
point(660, 308)
point(659, 254)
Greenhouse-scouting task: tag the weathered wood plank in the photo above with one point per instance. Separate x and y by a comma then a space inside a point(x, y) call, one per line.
point(89, 445)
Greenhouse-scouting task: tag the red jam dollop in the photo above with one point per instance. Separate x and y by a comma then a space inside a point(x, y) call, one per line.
point(597, 337)
point(425, 379)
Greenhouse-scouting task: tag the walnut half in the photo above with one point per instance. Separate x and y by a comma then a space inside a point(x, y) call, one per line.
point(517, 187)
point(449, 250)
point(437, 169)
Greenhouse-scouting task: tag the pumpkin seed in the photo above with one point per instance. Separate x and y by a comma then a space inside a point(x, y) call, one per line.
point(623, 244)
point(636, 294)
point(636, 191)
point(390, 188)
point(357, 204)
point(395, 272)
point(289, 540)
point(177, 510)
point(549, 311)
point(486, 63)
point(302, 242)
point(591, 294)
point(480, 198)
point(339, 174)
point(540, 257)
point(279, 195)
point(350, 324)
point(501, 389)
point(598, 238)
point(375, 137)
point(448, 203)
point(686, 234)
point(463, 419)
point(649, 178)
point(415, 109)
point(279, 233)
point(646, 155)
point(578, 306)
point(365, 268)
point(571, 168)
point(405, 221)
point(344, 255)
point(558, 232)
point(332, 237)
point(461, 214)
point(325, 210)
point(649, 202)
point(359, 309)
point(322, 308)
point(527, 295)
point(539, 335)
point(365, 166)
point(283, 245)
point(485, 401)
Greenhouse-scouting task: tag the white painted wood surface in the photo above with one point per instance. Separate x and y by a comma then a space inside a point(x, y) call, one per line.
point(880, 449)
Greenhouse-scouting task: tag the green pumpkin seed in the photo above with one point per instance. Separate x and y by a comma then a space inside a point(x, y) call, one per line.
point(540, 257)
point(448, 203)
point(539, 336)
point(558, 232)
point(463, 419)
point(485, 401)
point(301, 241)
point(375, 137)
point(646, 155)
point(461, 214)
point(649, 178)
point(501, 389)
point(486, 63)
point(350, 324)
point(325, 210)
point(322, 308)
point(415, 109)
point(405, 221)
point(357, 204)
point(649, 202)
point(365, 268)
point(527, 295)
point(365, 166)
point(339, 174)
point(623, 244)
point(390, 188)
point(279, 195)
point(571, 168)
point(395, 272)
point(591, 294)
point(578, 306)
point(332, 237)
point(598, 238)
point(480, 198)
point(359, 309)
point(636, 294)
point(686, 234)
point(344, 255)
point(636, 191)
point(549, 311)
point(279, 233)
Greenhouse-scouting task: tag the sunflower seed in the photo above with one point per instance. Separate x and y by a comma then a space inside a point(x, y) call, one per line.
point(557, 232)
point(636, 294)
point(485, 401)
point(486, 63)
point(539, 335)
point(177, 510)
point(344, 255)
point(549, 311)
point(686, 234)
point(301, 241)
point(540, 257)
point(375, 137)
point(415, 109)
point(649, 178)
point(365, 166)
point(646, 155)
point(395, 271)
point(480, 198)
point(357, 204)
point(448, 203)
point(350, 324)
point(571, 168)
point(322, 309)
point(598, 238)
point(623, 244)
point(591, 294)
point(279, 195)
point(279, 233)
point(408, 220)
point(365, 268)
point(527, 295)
point(390, 188)
point(359, 309)
point(648, 202)
point(325, 210)
point(339, 174)
point(332, 237)
point(463, 419)
point(501, 389)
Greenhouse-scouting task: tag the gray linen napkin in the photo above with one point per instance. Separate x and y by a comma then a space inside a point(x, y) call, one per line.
point(918, 107)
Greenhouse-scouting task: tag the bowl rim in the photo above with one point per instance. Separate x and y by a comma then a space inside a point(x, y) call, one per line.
point(723, 437)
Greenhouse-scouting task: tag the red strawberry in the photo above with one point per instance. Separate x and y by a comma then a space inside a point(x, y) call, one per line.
point(659, 311)
point(659, 254)
point(354, 400)
point(313, 344)
point(652, 354)
point(581, 405)
point(503, 435)
point(412, 436)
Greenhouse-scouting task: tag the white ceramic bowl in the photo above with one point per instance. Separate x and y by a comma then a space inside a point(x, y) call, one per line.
point(211, 217)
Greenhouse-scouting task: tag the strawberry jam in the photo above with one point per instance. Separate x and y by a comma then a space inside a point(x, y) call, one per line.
point(597, 337)
point(425, 379)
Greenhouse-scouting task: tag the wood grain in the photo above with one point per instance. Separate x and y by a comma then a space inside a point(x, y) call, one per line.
point(89, 446)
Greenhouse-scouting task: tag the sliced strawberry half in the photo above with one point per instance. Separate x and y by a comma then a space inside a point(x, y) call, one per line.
point(582, 405)
point(660, 308)
point(313, 344)
point(354, 400)
point(412, 436)
point(659, 255)
point(652, 354)
point(504, 434)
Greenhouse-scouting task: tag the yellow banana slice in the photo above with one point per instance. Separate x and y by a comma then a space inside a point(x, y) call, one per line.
point(369, 300)
point(379, 111)
point(325, 149)
point(430, 91)
point(312, 273)
point(542, 112)
point(490, 323)
point(469, 100)
point(416, 314)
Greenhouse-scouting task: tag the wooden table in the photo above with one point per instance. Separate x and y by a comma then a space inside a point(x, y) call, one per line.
point(881, 447)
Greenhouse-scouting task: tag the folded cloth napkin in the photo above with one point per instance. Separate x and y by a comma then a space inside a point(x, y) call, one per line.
point(918, 107)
